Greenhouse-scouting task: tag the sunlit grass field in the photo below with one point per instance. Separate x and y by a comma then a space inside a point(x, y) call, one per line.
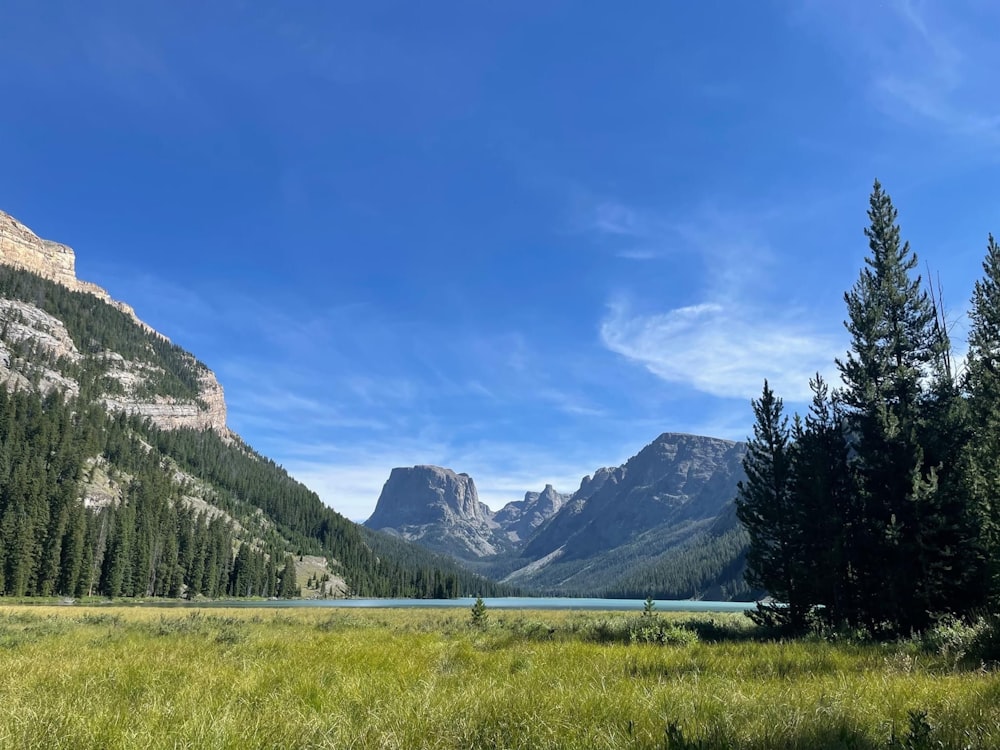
point(114, 677)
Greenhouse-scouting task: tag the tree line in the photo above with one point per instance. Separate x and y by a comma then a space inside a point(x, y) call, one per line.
point(148, 544)
point(373, 563)
point(152, 542)
point(879, 508)
point(97, 327)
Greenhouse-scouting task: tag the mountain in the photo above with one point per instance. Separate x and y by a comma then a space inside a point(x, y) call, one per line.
point(674, 480)
point(120, 477)
point(141, 371)
point(664, 520)
point(438, 508)
point(520, 519)
point(441, 510)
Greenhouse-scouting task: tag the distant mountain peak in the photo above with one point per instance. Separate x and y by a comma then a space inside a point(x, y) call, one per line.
point(436, 507)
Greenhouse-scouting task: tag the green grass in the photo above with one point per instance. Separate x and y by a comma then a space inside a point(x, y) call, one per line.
point(112, 677)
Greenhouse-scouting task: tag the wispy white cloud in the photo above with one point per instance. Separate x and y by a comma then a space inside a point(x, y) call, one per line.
point(722, 350)
point(638, 254)
point(569, 402)
point(618, 219)
point(739, 329)
point(926, 63)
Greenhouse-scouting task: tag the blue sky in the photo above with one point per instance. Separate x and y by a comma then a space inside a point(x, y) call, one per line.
point(516, 239)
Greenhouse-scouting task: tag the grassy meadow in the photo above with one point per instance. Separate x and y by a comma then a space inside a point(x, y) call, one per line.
point(115, 677)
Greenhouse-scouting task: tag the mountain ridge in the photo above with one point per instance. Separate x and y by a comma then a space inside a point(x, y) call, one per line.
point(675, 491)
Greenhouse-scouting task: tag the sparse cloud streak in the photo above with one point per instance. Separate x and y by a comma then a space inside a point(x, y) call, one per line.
point(722, 351)
point(928, 64)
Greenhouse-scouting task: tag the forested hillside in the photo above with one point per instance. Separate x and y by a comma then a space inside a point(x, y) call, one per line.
point(153, 543)
point(97, 328)
point(709, 566)
point(181, 512)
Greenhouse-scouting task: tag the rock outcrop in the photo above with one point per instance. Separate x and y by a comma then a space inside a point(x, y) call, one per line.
point(677, 479)
point(438, 508)
point(25, 323)
point(519, 520)
point(22, 248)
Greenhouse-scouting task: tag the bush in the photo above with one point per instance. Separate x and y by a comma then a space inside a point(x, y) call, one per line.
point(642, 629)
point(960, 642)
point(646, 629)
point(479, 617)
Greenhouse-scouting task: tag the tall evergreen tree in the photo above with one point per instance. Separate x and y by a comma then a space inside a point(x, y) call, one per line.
point(982, 384)
point(824, 494)
point(895, 345)
point(288, 588)
point(766, 505)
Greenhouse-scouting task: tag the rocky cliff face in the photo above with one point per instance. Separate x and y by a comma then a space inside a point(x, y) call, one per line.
point(674, 480)
point(207, 413)
point(28, 328)
point(519, 520)
point(438, 508)
point(22, 248)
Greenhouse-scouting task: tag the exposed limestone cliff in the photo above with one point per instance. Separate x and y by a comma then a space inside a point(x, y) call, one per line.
point(21, 247)
point(208, 413)
point(25, 324)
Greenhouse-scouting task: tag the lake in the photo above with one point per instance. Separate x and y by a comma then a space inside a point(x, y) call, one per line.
point(507, 602)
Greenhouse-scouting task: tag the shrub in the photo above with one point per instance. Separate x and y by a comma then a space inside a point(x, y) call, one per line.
point(959, 642)
point(479, 617)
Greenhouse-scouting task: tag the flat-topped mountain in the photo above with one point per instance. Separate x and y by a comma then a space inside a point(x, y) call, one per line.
point(437, 508)
point(441, 510)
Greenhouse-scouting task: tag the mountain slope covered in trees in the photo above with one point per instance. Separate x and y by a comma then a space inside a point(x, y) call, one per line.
point(95, 498)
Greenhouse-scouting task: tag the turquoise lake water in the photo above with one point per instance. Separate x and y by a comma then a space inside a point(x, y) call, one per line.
point(511, 602)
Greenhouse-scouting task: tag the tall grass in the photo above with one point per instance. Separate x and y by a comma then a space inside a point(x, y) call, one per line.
point(102, 677)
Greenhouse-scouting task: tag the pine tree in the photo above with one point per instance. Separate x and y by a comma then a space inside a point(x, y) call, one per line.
point(824, 494)
point(982, 383)
point(288, 588)
point(895, 346)
point(765, 504)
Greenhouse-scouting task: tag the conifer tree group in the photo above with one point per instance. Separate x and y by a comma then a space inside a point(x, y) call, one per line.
point(880, 509)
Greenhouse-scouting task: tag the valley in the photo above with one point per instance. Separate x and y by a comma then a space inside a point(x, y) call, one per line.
point(662, 524)
point(119, 475)
point(663, 518)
